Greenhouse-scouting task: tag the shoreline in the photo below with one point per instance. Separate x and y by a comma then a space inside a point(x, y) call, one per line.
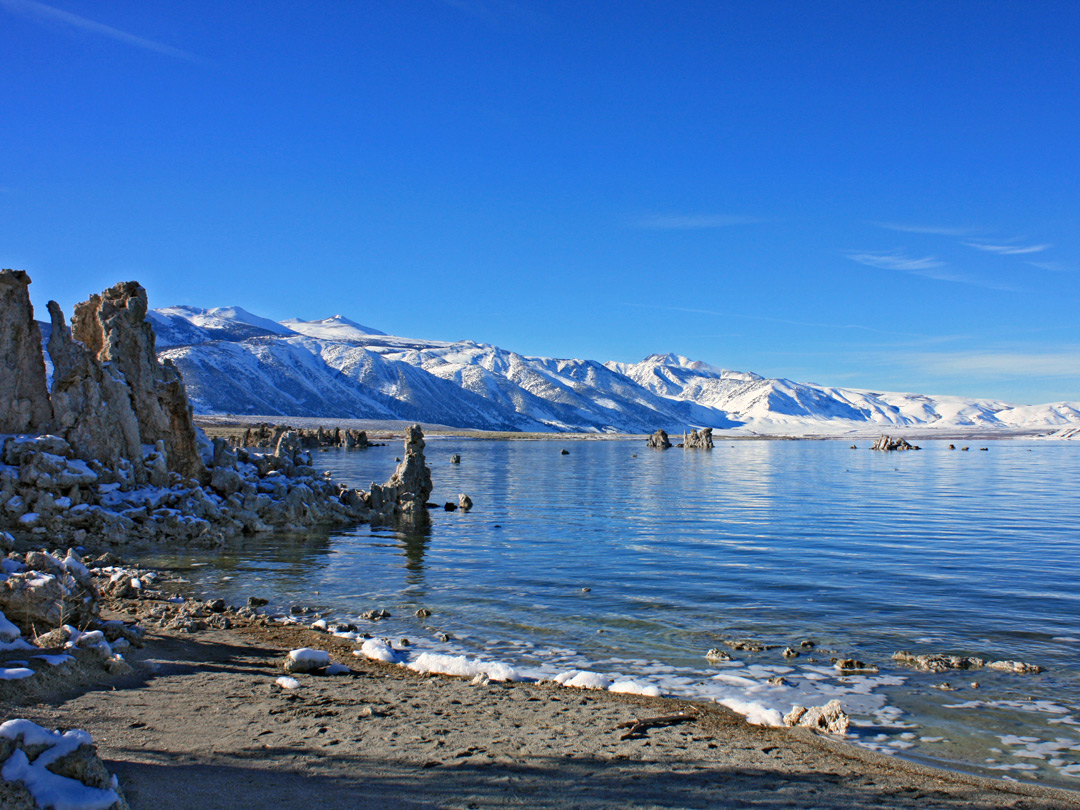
point(200, 722)
point(383, 430)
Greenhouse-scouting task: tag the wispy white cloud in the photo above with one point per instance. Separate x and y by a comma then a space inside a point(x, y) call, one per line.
point(895, 260)
point(998, 364)
point(930, 229)
point(33, 10)
point(1007, 250)
point(1055, 267)
point(927, 267)
point(686, 222)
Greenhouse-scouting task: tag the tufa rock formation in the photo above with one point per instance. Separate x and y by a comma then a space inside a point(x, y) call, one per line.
point(91, 403)
point(698, 440)
point(265, 434)
point(887, 443)
point(659, 440)
point(24, 397)
point(113, 328)
point(412, 478)
point(830, 718)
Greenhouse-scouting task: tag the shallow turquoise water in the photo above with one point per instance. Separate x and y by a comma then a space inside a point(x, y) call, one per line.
point(864, 553)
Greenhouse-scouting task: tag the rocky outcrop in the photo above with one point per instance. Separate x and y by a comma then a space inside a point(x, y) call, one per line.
point(24, 396)
point(699, 439)
point(888, 443)
point(91, 403)
point(659, 440)
point(412, 478)
point(114, 329)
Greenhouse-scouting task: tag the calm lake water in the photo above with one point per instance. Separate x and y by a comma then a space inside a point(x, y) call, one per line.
point(861, 553)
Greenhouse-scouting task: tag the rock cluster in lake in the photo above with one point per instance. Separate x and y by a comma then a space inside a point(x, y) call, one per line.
point(112, 452)
point(889, 443)
point(698, 439)
point(266, 434)
point(659, 440)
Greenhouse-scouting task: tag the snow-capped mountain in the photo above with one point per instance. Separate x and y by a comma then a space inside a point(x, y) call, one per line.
point(236, 362)
point(337, 327)
point(183, 326)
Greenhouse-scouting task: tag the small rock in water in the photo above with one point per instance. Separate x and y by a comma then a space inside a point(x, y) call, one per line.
point(944, 686)
point(777, 680)
point(974, 684)
point(422, 613)
point(397, 458)
point(749, 646)
point(375, 615)
point(717, 655)
point(830, 717)
point(586, 590)
point(464, 502)
point(1016, 667)
point(450, 506)
point(564, 452)
point(853, 665)
point(791, 653)
point(936, 662)
point(455, 459)
point(444, 637)
point(257, 601)
point(216, 605)
point(403, 642)
point(806, 644)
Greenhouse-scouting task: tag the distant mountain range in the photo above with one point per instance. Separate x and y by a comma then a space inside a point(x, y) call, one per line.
point(235, 362)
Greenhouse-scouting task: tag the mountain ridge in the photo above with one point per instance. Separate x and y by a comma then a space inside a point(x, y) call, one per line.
point(236, 362)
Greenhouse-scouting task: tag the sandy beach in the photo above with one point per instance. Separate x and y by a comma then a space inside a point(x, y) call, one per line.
point(201, 723)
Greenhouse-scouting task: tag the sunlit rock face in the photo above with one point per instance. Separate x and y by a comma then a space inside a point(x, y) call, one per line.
point(24, 396)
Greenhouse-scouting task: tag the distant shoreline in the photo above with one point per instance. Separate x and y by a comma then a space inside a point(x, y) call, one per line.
point(381, 429)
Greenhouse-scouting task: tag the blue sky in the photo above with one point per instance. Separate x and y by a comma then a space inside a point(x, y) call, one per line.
point(878, 195)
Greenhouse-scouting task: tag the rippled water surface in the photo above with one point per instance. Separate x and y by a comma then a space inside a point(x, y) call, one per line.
point(861, 553)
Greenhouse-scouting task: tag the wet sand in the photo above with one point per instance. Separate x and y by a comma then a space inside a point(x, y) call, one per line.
point(200, 723)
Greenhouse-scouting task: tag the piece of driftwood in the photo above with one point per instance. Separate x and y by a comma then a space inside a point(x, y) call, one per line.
point(637, 728)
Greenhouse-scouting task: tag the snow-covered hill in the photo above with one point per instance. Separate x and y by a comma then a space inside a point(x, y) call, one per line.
point(236, 362)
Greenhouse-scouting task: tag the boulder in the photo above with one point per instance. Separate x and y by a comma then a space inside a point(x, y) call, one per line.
point(45, 768)
point(659, 440)
point(24, 396)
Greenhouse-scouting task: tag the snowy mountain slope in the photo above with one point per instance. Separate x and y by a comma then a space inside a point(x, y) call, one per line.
point(337, 327)
point(300, 376)
point(233, 362)
point(181, 326)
